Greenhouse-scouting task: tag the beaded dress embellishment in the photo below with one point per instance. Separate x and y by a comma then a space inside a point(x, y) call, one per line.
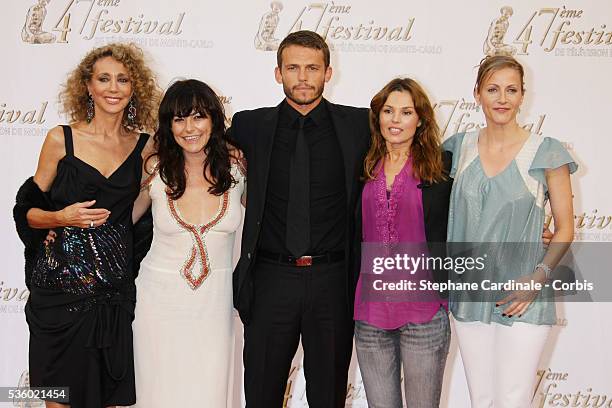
point(83, 261)
point(198, 250)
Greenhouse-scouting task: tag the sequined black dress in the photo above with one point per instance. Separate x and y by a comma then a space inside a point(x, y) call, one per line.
point(81, 304)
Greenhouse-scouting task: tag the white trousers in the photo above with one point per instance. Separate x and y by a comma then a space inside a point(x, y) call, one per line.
point(500, 361)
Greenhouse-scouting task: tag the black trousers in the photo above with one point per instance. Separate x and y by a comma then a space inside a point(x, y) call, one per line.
point(290, 302)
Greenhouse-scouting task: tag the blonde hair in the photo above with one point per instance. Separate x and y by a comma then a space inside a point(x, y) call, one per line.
point(425, 149)
point(492, 64)
point(73, 97)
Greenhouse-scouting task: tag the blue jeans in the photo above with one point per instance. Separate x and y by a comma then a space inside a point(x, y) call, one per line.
point(421, 350)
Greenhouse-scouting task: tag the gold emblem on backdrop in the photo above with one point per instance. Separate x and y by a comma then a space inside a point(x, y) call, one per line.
point(265, 39)
point(456, 115)
point(328, 20)
point(8, 294)
point(593, 226)
point(224, 99)
point(22, 116)
point(549, 392)
point(100, 20)
point(548, 28)
point(494, 44)
point(32, 31)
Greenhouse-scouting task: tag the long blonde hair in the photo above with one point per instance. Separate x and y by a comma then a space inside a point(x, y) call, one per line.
point(147, 94)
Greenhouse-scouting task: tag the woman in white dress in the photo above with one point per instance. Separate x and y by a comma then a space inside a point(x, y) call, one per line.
point(183, 330)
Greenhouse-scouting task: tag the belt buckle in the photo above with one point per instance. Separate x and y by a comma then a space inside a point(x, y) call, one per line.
point(305, 260)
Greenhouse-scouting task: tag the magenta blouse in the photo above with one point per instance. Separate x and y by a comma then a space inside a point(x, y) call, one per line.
point(392, 218)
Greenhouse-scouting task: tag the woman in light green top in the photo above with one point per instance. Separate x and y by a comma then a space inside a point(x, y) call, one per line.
point(503, 176)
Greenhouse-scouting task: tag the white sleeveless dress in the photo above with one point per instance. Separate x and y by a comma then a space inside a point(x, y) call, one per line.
point(183, 330)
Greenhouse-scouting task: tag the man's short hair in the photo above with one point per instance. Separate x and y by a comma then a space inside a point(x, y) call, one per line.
point(303, 38)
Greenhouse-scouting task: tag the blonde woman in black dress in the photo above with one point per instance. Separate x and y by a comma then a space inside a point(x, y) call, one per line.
point(81, 305)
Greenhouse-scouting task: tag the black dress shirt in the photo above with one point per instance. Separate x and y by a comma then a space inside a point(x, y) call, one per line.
point(327, 184)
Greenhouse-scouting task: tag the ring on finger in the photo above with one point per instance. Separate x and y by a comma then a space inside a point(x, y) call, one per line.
point(91, 224)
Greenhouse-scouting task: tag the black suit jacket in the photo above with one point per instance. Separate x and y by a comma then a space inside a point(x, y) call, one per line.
point(436, 199)
point(254, 132)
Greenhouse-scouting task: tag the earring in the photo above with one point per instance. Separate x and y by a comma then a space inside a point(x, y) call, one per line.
point(90, 108)
point(131, 111)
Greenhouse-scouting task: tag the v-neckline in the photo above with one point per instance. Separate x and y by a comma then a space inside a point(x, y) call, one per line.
point(506, 167)
point(395, 178)
point(99, 172)
point(114, 171)
point(222, 199)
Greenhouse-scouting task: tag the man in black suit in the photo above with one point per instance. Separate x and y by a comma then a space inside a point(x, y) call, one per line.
point(304, 161)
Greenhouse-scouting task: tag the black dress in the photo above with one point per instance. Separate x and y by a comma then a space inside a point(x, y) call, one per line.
point(82, 291)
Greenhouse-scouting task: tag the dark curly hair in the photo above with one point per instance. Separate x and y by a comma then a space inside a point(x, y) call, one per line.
point(182, 99)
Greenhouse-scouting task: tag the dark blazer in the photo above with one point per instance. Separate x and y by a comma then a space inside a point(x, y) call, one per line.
point(254, 133)
point(436, 199)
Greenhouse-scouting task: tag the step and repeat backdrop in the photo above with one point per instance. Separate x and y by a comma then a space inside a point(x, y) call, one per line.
point(566, 48)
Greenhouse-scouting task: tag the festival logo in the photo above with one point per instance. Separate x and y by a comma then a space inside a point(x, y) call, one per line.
point(341, 29)
point(23, 120)
point(548, 392)
point(28, 116)
point(592, 226)
point(12, 299)
point(265, 39)
point(32, 31)
point(559, 29)
point(226, 100)
point(494, 44)
point(463, 115)
point(102, 17)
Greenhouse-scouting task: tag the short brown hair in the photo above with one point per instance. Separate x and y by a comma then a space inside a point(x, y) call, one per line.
point(303, 38)
point(492, 64)
point(425, 149)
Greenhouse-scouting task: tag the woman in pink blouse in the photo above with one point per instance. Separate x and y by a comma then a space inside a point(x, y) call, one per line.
point(404, 204)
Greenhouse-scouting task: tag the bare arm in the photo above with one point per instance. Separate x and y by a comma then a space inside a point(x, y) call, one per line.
point(237, 157)
point(561, 205)
point(560, 193)
point(78, 214)
point(52, 151)
point(143, 202)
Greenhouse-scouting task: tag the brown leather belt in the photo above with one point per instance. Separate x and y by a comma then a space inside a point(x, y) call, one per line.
point(305, 260)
